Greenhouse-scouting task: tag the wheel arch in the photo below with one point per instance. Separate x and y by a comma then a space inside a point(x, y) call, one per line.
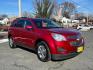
point(9, 35)
point(46, 43)
point(40, 40)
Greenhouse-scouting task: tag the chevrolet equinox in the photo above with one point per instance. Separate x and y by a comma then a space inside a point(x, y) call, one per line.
point(49, 40)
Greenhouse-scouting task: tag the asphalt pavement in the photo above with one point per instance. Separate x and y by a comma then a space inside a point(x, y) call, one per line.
point(21, 59)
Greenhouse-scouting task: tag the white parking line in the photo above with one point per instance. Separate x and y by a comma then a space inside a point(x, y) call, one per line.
point(3, 40)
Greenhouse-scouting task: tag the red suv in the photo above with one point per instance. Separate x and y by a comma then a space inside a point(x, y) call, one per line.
point(47, 38)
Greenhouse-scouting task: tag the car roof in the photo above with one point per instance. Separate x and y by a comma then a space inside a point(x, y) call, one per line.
point(32, 18)
point(39, 19)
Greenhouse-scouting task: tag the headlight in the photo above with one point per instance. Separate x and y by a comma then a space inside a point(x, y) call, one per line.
point(58, 37)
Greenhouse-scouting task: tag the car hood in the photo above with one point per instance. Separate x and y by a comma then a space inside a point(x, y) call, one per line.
point(64, 31)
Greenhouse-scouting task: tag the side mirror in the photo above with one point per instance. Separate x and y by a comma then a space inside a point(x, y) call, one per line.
point(28, 27)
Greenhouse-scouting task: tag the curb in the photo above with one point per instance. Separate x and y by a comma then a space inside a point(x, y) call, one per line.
point(3, 32)
point(3, 40)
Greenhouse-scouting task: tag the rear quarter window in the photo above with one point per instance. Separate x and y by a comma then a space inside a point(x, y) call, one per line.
point(13, 23)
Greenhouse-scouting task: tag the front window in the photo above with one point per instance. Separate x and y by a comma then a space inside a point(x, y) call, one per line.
point(45, 23)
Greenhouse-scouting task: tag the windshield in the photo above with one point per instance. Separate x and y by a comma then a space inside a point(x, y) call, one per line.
point(45, 23)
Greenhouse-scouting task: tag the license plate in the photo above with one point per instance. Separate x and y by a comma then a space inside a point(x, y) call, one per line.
point(80, 49)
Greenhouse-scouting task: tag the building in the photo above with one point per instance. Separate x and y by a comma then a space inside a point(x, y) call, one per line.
point(4, 21)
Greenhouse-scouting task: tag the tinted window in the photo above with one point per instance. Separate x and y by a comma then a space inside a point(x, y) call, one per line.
point(13, 23)
point(45, 23)
point(28, 23)
point(20, 23)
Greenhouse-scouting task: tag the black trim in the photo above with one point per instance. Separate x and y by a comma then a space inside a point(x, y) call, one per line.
point(64, 57)
point(24, 46)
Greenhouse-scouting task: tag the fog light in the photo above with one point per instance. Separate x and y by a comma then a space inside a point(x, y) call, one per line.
point(60, 49)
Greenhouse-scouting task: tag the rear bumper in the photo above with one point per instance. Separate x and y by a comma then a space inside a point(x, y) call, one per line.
point(64, 57)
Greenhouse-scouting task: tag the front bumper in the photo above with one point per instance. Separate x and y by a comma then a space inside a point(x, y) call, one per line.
point(64, 57)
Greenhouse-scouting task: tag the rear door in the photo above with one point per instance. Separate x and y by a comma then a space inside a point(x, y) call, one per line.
point(18, 31)
point(23, 36)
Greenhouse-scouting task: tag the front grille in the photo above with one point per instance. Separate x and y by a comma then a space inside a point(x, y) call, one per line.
point(74, 37)
point(78, 40)
point(76, 43)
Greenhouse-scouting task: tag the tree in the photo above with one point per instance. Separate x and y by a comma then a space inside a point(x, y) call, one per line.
point(44, 8)
point(27, 14)
point(4, 16)
point(68, 9)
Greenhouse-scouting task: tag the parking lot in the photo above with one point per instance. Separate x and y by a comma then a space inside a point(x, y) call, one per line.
point(20, 59)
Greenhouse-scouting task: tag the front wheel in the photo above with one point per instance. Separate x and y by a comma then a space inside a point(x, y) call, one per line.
point(11, 43)
point(43, 52)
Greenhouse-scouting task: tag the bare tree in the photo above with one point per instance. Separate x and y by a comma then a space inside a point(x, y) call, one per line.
point(27, 14)
point(44, 8)
point(4, 16)
point(68, 9)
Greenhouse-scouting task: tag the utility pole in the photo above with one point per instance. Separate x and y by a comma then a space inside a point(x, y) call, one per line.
point(87, 18)
point(20, 8)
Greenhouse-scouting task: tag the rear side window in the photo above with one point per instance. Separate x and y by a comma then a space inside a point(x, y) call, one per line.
point(20, 23)
point(13, 23)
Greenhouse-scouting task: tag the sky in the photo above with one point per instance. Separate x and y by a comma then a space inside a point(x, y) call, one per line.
point(10, 7)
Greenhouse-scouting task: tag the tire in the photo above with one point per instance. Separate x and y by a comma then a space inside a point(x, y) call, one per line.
point(11, 43)
point(43, 52)
point(91, 28)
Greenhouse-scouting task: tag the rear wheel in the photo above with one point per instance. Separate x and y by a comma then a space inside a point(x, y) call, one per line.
point(91, 28)
point(11, 43)
point(43, 52)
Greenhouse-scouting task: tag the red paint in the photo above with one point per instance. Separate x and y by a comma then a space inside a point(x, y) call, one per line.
point(29, 38)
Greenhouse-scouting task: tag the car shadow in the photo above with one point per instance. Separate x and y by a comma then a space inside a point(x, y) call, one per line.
point(34, 52)
point(26, 49)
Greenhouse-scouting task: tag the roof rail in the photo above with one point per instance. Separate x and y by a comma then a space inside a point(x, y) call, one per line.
point(23, 17)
